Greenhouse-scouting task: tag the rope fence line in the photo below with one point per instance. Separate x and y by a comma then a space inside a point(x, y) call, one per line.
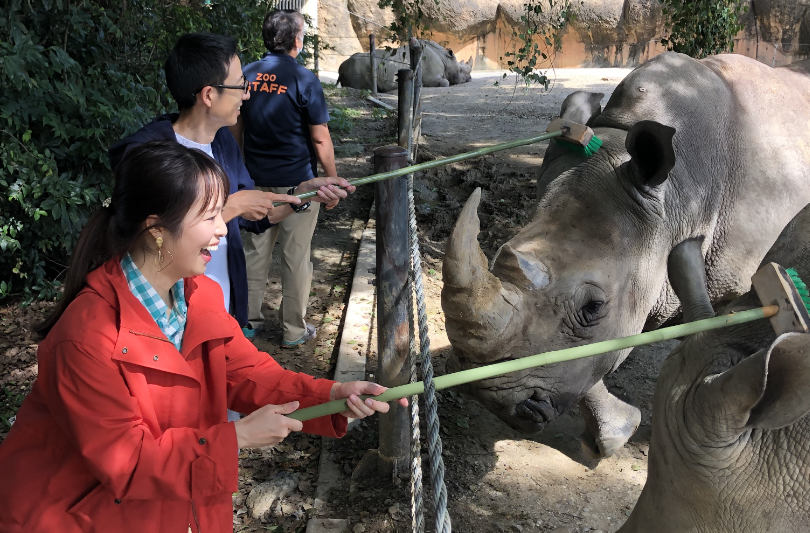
point(417, 511)
point(417, 504)
point(416, 284)
point(439, 489)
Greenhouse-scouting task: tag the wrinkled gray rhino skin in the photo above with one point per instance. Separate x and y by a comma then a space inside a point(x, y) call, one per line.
point(691, 148)
point(439, 68)
point(730, 435)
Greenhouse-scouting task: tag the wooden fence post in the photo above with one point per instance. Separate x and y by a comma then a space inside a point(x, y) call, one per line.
point(371, 53)
point(317, 56)
point(405, 107)
point(392, 312)
point(393, 266)
point(416, 60)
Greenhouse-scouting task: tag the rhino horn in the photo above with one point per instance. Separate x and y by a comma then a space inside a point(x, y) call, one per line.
point(480, 310)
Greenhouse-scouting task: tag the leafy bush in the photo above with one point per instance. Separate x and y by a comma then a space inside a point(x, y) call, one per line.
point(700, 28)
point(545, 21)
point(341, 118)
point(77, 76)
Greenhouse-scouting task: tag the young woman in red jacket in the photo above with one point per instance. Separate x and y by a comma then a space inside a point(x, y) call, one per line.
point(126, 427)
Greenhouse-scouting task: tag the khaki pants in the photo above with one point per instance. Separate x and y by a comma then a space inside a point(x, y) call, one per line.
point(294, 234)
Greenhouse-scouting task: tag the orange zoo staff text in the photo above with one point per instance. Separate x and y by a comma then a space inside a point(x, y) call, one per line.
point(262, 78)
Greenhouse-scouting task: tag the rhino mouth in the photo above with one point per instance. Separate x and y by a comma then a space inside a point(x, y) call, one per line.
point(530, 415)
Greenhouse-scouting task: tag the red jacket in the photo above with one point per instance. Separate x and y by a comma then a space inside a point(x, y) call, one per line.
point(122, 432)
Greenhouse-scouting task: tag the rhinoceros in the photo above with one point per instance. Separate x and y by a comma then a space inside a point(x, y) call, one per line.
point(730, 435)
point(440, 68)
point(718, 148)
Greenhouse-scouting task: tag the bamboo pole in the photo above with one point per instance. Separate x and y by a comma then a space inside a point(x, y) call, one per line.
point(558, 356)
point(440, 162)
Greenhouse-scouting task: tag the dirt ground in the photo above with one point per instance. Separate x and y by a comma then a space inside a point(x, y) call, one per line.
point(498, 480)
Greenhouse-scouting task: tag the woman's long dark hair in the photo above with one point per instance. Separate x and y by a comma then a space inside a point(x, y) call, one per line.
point(160, 178)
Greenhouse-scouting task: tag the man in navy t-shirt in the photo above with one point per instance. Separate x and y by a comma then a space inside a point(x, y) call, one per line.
point(284, 135)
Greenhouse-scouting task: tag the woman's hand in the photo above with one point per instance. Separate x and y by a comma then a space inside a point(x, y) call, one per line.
point(359, 408)
point(267, 426)
point(329, 190)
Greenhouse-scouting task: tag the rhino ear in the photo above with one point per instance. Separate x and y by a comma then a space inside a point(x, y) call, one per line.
point(652, 154)
point(785, 399)
point(767, 390)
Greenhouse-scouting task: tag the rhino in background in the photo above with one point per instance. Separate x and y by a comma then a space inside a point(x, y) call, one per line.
point(440, 68)
point(730, 435)
point(690, 148)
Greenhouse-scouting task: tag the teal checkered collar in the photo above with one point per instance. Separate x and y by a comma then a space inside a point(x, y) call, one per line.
point(173, 324)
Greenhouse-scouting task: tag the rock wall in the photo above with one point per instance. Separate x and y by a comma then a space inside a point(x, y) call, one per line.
point(615, 33)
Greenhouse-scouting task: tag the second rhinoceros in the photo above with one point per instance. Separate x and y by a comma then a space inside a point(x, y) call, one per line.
point(731, 432)
point(691, 149)
point(440, 68)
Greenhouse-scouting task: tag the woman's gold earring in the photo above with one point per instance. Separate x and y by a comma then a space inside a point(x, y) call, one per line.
point(159, 256)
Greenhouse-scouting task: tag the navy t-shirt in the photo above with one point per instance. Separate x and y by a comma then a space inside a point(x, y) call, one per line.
point(285, 99)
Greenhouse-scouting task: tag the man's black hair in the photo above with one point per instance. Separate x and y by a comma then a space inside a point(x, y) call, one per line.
point(280, 28)
point(196, 61)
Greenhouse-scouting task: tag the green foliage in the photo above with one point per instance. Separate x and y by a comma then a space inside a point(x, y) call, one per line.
point(411, 21)
point(545, 22)
point(77, 76)
point(341, 119)
point(380, 113)
point(700, 28)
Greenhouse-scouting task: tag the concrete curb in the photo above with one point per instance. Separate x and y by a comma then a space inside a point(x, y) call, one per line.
point(351, 364)
point(351, 359)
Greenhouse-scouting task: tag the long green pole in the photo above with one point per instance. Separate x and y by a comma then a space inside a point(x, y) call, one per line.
point(558, 356)
point(439, 162)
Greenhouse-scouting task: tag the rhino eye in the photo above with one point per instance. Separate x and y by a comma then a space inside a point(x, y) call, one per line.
point(591, 311)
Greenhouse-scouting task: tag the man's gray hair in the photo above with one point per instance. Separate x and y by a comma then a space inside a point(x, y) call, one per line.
point(280, 29)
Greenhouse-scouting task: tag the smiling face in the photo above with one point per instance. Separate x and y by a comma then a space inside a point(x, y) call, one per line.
point(224, 104)
point(187, 254)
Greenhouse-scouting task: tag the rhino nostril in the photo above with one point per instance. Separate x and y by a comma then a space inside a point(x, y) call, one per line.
point(539, 411)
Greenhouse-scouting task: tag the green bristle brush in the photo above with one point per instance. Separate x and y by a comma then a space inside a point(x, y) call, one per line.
point(801, 287)
point(577, 138)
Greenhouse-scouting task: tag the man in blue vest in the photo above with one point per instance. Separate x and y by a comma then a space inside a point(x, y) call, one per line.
point(204, 75)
